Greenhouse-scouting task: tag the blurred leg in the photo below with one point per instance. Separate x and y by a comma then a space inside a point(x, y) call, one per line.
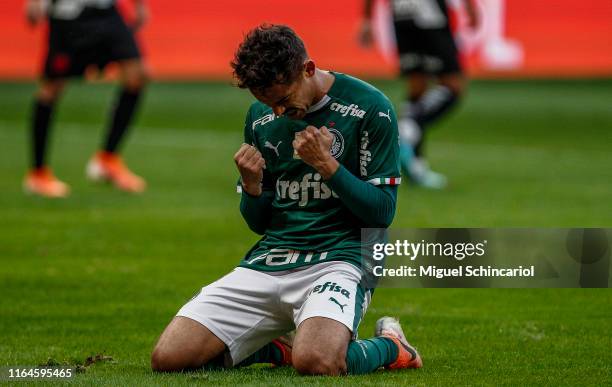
point(435, 103)
point(107, 164)
point(46, 97)
point(416, 84)
point(427, 105)
point(439, 99)
point(40, 180)
point(455, 82)
point(133, 81)
point(410, 132)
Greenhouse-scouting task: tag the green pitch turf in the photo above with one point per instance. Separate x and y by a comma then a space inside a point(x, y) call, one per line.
point(102, 272)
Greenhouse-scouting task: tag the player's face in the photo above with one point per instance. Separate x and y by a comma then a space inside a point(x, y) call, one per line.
point(291, 100)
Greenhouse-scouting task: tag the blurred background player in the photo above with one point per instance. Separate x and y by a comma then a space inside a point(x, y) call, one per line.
point(84, 33)
point(427, 52)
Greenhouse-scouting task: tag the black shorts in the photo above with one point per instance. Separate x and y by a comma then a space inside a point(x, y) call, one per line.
point(97, 37)
point(429, 51)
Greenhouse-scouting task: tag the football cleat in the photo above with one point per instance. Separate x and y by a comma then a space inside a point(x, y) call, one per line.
point(407, 356)
point(285, 344)
point(107, 166)
point(42, 182)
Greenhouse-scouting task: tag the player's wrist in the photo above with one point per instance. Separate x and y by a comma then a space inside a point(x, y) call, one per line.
point(328, 168)
point(252, 189)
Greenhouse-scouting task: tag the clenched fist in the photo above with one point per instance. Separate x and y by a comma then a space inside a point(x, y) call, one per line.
point(250, 164)
point(313, 146)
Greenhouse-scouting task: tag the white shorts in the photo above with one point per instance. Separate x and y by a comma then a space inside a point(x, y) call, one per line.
point(247, 308)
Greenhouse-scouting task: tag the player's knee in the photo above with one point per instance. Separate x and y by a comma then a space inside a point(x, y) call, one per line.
point(456, 83)
point(136, 79)
point(169, 360)
point(134, 85)
point(161, 360)
point(49, 92)
point(313, 362)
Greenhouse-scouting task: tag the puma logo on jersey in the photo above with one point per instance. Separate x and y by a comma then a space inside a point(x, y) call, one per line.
point(352, 110)
point(268, 144)
point(310, 187)
point(388, 114)
point(331, 287)
point(332, 299)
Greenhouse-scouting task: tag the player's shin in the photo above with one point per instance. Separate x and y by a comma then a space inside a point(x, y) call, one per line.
point(270, 353)
point(41, 118)
point(364, 356)
point(122, 115)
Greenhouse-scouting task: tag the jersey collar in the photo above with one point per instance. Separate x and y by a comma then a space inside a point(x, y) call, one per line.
point(317, 106)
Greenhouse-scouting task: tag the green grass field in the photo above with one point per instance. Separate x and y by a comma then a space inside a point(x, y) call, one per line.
point(103, 272)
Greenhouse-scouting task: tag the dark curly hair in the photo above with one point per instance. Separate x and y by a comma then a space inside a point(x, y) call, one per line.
point(270, 54)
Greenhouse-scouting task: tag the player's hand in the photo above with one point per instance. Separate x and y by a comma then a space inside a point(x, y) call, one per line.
point(35, 11)
point(141, 15)
point(250, 164)
point(313, 145)
point(366, 36)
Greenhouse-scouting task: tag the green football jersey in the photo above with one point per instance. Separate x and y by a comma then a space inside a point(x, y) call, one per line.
point(308, 223)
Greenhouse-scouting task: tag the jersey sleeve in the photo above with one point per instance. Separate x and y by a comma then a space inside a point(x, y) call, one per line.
point(250, 138)
point(379, 147)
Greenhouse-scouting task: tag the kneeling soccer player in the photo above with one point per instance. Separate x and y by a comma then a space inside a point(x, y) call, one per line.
point(319, 162)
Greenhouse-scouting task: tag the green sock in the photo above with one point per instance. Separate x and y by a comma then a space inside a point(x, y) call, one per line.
point(269, 353)
point(368, 355)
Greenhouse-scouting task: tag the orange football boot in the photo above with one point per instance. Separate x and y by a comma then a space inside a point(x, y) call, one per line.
point(110, 167)
point(42, 182)
point(407, 356)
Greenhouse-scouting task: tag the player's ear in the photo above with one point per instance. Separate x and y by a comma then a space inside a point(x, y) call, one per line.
point(309, 68)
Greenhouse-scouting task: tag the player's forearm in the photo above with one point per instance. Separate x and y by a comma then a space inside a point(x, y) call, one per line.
point(372, 204)
point(254, 210)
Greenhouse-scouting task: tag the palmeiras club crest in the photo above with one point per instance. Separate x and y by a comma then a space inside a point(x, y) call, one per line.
point(337, 146)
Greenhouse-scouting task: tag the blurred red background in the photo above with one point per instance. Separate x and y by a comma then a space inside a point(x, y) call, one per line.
point(196, 38)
